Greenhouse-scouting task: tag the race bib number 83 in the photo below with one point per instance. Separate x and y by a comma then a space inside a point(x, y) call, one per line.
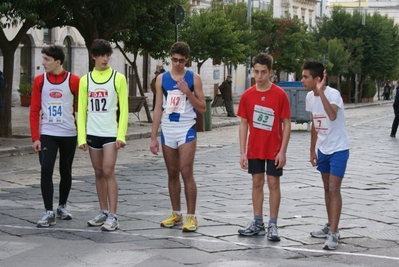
point(263, 118)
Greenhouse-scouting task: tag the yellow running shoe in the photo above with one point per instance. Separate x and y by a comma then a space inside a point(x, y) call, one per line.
point(172, 220)
point(191, 224)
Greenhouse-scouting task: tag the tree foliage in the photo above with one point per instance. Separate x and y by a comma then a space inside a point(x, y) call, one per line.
point(26, 14)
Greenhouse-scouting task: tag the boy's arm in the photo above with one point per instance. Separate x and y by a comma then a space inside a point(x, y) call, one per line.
point(123, 100)
point(243, 135)
point(82, 111)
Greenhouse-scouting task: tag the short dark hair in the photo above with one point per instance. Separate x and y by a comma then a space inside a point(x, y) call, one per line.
point(54, 51)
point(180, 48)
point(162, 70)
point(100, 47)
point(316, 68)
point(263, 59)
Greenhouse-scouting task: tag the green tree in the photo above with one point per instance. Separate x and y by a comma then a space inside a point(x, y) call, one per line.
point(26, 14)
point(152, 34)
point(103, 19)
point(210, 34)
point(339, 57)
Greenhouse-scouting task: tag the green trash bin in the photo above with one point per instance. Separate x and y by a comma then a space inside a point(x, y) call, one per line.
point(208, 113)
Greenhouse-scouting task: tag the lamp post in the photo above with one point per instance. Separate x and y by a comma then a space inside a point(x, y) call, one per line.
point(248, 65)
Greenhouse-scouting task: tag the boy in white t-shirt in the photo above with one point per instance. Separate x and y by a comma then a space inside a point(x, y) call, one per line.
point(329, 136)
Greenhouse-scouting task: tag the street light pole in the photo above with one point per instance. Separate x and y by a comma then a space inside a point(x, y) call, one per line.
point(248, 65)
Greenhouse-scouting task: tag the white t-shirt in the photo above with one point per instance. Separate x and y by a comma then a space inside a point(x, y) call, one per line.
point(331, 135)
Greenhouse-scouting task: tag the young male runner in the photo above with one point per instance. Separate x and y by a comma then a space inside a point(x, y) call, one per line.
point(179, 96)
point(266, 125)
point(52, 126)
point(328, 135)
point(103, 93)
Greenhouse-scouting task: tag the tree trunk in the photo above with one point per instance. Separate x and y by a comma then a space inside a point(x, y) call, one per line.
point(147, 110)
point(5, 114)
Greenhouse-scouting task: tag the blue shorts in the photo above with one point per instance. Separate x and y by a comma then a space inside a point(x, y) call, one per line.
point(334, 164)
point(98, 142)
point(174, 137)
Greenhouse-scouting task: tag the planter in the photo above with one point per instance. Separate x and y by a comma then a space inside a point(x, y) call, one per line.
point(345, 98)
point(371, 99)
point(365, 100)
point(25, 100)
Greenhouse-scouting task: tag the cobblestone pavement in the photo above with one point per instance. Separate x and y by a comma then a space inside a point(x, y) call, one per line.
point(369, 224)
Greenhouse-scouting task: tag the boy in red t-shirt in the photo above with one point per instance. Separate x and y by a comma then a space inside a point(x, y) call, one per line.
point(266, 125)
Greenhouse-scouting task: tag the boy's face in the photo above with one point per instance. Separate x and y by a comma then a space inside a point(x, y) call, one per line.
point(308, 81)
point(262, 74)
point(49, 63)
point(178, 62)
point(101, 62)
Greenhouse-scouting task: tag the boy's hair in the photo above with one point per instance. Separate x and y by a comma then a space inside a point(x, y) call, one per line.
point(54, 51)
point(263, 59)
point(315, 68)
point(100, 47)
point(180, 48)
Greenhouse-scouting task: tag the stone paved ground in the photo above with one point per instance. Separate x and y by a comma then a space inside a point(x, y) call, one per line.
point(369, 224)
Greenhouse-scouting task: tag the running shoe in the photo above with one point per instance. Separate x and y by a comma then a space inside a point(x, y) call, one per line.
point(99, 219)
point(47, 220)
point(331, 242)
point(272, 232)
point(63, 213)
point(111, 224)
point(322, 233)
point(191, 224)
point(253, 229)
point(172, 220)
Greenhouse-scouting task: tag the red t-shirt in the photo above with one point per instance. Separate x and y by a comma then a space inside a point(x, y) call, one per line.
point(264, 141)
point(36, 100)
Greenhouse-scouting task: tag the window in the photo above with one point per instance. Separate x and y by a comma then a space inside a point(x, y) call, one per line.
point(67, 65)
point(47, 38)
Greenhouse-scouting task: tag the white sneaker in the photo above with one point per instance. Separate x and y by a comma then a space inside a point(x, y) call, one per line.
point(47, 220)
point(111, 224)
point(99, 219)
point(331, 242)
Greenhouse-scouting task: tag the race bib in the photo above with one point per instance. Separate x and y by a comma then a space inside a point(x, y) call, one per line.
point(263, 118)
point(54, 112)
point(175, 102)
point(321, 123)
point(98, 101)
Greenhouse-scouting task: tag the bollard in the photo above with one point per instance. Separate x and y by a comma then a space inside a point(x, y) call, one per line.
point(208, 114)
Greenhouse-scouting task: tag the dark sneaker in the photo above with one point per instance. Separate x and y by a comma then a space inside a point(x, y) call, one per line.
point(272, 232)
point(111, 224)
point(253, 229)
point(47, 220)
point(331, 242)
point(99, 219)
point(63, 213)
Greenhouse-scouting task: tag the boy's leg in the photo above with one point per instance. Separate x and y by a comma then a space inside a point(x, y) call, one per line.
point(273, 183)
point(335, 206)
point(327, 200)
point(96, 157)
point(186, 158)
point(67, 147)
point(171, 157)
point(258, 182)
point(109, 160)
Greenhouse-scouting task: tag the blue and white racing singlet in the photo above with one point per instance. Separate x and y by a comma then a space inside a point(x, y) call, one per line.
point(176, 106)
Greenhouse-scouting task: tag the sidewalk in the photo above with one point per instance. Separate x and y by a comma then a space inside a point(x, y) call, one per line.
point(22, 144)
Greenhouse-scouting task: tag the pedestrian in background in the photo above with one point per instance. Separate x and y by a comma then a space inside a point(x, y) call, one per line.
point(264, 133)
point(227, 95)
point(387, 91)
point(179, 98)
point(52, 127)
point(152, 85)
point(328, 136)
point(396, 112)
point(102, 125)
